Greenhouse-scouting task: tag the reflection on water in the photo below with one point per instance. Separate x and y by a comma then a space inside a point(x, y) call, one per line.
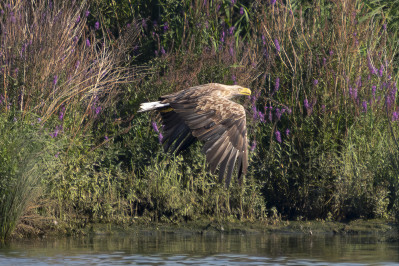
point(166, 248)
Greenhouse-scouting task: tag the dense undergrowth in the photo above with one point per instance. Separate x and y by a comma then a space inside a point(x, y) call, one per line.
point(322, 119)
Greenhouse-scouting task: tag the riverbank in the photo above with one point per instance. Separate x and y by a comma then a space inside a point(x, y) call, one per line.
point(385, 229)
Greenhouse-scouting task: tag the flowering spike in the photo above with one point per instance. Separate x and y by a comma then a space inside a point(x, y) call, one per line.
point(155, 127)
point(364, 105)
point(276, 43)
point(277, 84)
point(253, 146)
point(278, 136)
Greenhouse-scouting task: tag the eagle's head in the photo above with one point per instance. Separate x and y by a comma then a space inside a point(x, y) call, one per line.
point(230, 91)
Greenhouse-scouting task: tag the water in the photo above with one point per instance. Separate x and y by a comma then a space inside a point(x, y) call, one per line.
point(184, 248)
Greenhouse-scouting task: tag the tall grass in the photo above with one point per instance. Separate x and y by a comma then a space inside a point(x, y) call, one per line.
point(52, 63)
point(26, 156)
point(52, 68)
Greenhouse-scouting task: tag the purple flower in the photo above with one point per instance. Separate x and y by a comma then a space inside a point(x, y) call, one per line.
point(278, 136)
point(144, 23)
point(277, 45)
point(373, 90)
point(155, 127)
point(56, 131)
point(354, 93)
point(39, 120)
point(306, 104)
point(231, 30)
point(315, 82)
point(233, 77)
point(87, 42)
point(261, 117)
point(106, 137)
point(78, 19)
point(255, 112)
point(364, 105)
point(278, 113)
point(56, 155)
point(233, 2)
point(77, 64)
point(388, 101)
point(160, 137)
point(395, 116)
point(331, 52)
point(98, 110)
point(263, 39)
point(61, 116)
point(96, 25)
point(272, 2)
point(222, 37)
point(253, 145)
point(55, 80)
point(163, 50)
point(87, 13)
point(381, 71)
point(277, 84)
point(384, 26)
point(359, 82)
point(241, 11)
point(165, 27)
point(287, 132)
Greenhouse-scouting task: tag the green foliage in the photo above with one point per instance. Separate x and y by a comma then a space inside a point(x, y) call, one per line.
point(323, 76)
point(26, 157)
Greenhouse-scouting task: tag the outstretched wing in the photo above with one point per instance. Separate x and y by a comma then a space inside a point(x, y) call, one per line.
point(218, 122)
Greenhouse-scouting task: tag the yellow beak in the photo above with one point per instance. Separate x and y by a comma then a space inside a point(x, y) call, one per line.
point(245, 91)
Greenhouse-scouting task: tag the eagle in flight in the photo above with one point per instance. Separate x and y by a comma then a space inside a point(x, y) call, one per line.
point(206, 113)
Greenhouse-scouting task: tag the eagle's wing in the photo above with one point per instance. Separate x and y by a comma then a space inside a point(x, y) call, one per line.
point(218, 122)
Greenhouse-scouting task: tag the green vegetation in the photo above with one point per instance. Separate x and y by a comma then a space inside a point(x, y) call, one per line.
point(322, 120)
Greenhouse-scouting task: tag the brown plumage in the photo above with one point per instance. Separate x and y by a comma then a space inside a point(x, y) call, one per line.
point(206, 113)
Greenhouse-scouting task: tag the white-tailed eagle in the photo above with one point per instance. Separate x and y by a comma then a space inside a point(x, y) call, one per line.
point(206, 113)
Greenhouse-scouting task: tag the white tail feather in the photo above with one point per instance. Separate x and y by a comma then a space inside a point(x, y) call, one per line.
point(151, 106)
